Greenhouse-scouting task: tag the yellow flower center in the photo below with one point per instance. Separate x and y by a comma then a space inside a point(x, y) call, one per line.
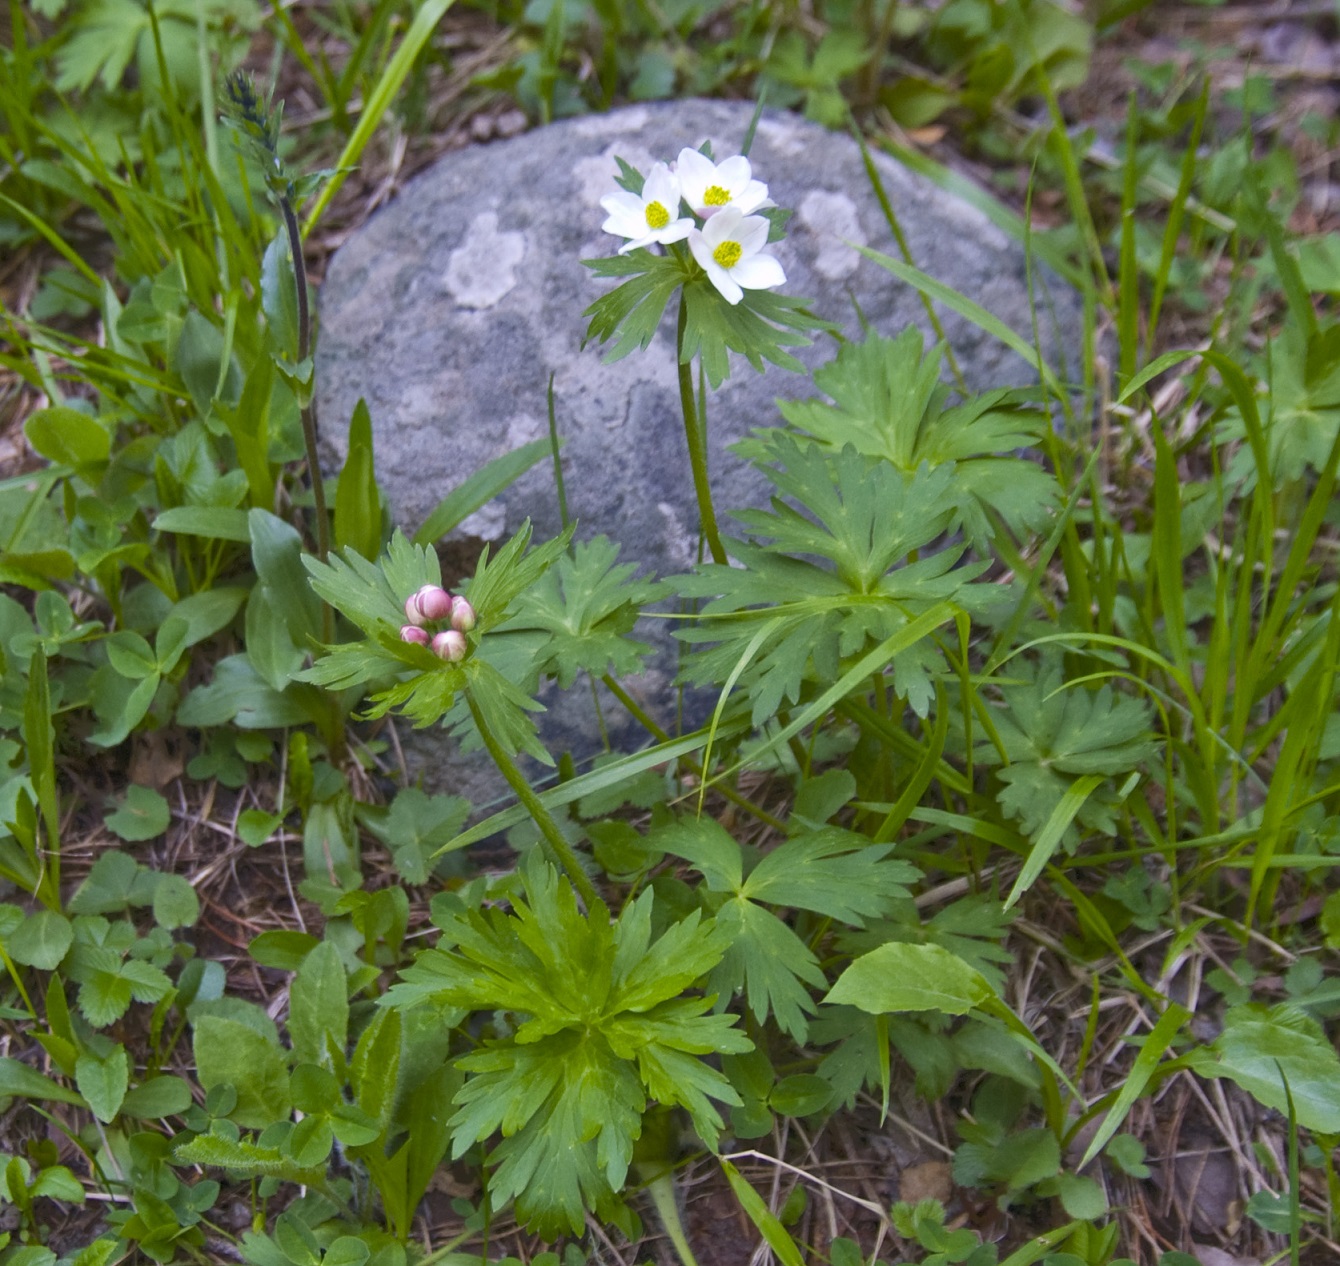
point(716, 196)
point(657, 216)
point(727, 254)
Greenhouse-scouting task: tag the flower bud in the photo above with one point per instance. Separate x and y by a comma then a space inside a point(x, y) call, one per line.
point(462, 615)
point(413, 633)
point(432, 602)
point(412, 611)
point(449, 645)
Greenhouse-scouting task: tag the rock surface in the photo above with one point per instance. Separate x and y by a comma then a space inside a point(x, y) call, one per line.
point(450, 310)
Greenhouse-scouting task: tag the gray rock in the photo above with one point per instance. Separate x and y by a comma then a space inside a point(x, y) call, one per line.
point(450, 310)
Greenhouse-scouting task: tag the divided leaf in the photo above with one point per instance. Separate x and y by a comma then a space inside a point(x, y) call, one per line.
point(889, 403)
point(1054, 735)
point(830, 871)
point(588, 605)
point(790, 620)
point(603, 1025)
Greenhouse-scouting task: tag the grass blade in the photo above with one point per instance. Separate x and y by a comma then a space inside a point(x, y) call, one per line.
point(425, 22)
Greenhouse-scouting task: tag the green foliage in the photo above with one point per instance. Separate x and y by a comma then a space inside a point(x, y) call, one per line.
point(588, 605)
point(1051, 735)
point(1128, 734)
point(108, 36)
point(830, 872)
point(782, 621)
point(603, 1026)
point(889, 403)
point(760, 327)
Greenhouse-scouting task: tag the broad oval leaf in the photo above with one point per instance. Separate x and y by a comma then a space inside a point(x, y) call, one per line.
point(68, 437)
point(1263, 1047)
point(904, 977)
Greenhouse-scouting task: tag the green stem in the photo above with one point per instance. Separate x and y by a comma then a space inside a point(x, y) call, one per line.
point(308, 409)
point(560, 850)
point(645, 719)
point(697, 441)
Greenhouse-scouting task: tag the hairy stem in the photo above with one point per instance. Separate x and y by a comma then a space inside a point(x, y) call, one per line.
point(697, 442)
point(308, 408)
point(559, 849)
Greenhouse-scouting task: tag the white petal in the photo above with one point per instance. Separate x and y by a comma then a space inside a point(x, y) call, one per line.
point(721, 227)
point(622, 201)
point(722, 280)
point(625, 222)
point(701, 249)
point(759, 272)
point(676, 231)
point(695, 171)
point(752, 234)
point(648, 240)
point(733, 173)
point(661, 186)
point(752, 197)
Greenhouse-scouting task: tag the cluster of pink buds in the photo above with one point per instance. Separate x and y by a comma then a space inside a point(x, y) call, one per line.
point(434, 605)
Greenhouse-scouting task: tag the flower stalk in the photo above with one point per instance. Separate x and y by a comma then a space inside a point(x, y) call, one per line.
point(697, 442)
point(308, 410)
point(556, 847)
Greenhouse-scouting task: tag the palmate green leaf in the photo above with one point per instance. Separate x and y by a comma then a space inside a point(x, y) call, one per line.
point(415, 826)
point(569, 1110)
point(588, 605)
point(499, 581)
point(507, 708)
point(603, 1024)
point(870, 517)
point(760, 328)
point(373, 595)
point(109, 34)
point(833, 872)
point(889, 403)
point(1055, 736)
point(108, 983)
point(771, 964)
point(829, 871)
point(631, 313)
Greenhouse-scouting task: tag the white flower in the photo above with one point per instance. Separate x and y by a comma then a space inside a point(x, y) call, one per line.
point(649, 218)
point(710, 187)
point(729, 247)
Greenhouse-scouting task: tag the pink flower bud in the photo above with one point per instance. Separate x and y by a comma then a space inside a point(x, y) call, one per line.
point(412, 611)
point(462, 615)
point(449, 645)
point(413, 633)
point(432, 602)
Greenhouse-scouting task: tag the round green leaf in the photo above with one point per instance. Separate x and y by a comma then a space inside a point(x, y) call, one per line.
point(801, 1095)
point(1081, 1197)
point(67, 437)
point(254, 828)
point(1262, 1048)
point(310, 1142)
point(282, 948)
point(41, 940)
point(143, 815)
point(346, 1251)
point(175, 903)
